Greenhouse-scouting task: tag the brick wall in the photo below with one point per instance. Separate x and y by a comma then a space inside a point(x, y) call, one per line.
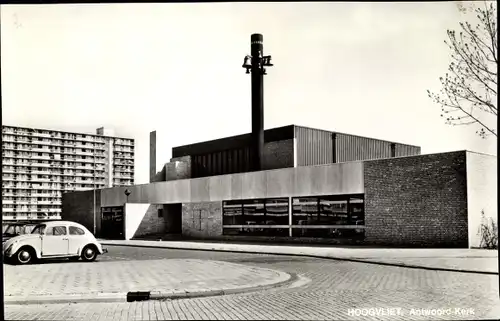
point(151, 224)
point(79, 207)
point(278, 154)
point(417, 201)
point(202, 220)
point(178, 168)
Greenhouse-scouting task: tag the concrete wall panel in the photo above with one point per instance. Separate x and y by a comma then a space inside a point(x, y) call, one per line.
point(236, 186)
point(280, 183)
point(134, 214)
point(220, 187)
point(202, 220)
point(254, 185)
point(481, 193)
point(303, 185)
point(200, 190)
point(327, 179)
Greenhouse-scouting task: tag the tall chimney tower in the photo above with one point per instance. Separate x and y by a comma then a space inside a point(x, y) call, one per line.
point(152, 156)
point(257, 48)
point(255, 64)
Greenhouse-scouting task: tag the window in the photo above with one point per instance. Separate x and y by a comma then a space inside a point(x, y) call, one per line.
point(39, 229)
point(328, 216)
point(73, 230)
point(304, 210)
point(160, 212)
point(259, 217)
point(56, 230)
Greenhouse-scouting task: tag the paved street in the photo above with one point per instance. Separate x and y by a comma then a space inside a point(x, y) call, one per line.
point(327, 290)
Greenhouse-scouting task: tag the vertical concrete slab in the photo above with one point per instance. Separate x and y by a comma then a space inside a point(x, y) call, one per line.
point(318, 178)
point(156, 193)
point(220, 187)
point(254, 185)
point(302, 181)
point(352, 177)
point(180, 191)
point(200, 190)
point(280, 183)
point(134, 214)
point(202, 220)
point(236, 186)
point(152, 156)
point(482, 182)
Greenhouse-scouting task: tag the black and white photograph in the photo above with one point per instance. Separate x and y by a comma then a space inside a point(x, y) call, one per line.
point(250, 161)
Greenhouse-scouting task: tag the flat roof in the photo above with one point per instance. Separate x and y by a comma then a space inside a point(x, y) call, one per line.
point(65, 132)
point(239, 141)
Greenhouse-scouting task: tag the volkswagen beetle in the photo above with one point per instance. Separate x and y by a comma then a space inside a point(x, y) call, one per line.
point(51, 240)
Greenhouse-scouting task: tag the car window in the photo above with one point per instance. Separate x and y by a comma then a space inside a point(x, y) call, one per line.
point(56, 230)
point(73, 230)
point(39, 229)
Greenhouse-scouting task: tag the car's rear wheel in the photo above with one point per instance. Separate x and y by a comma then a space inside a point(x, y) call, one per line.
point(25, 255)
point(89, 253)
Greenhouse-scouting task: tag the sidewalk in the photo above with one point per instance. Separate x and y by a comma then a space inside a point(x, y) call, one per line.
point(113, 281)
point(462, 260)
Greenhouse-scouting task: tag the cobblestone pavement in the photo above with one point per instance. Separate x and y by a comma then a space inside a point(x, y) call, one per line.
point(69, 278)
point(479, 260)
point(480, 264)
point(337, 290)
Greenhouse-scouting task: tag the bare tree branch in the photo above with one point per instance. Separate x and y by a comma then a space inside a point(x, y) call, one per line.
point(469, 93)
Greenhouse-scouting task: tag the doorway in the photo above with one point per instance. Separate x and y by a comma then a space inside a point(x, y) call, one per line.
point(173, 218)
point(113, 223)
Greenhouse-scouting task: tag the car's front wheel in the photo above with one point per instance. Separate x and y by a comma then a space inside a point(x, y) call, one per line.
point(89, 253)
point(25, 255)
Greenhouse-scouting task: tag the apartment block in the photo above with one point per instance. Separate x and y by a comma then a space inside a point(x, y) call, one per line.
point(39, 165)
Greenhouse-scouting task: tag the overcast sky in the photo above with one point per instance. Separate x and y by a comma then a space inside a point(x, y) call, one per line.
point(359, 68)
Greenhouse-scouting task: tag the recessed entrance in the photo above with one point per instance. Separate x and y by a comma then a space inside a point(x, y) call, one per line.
point(173, 218)
point(113, 223)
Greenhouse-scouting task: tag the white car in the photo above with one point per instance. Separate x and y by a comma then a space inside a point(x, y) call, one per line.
point(50, 240)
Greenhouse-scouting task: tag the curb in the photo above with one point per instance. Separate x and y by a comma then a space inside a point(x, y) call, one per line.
point(410, 266)
point(70, 298)
point(218, 292)
point(144, 296)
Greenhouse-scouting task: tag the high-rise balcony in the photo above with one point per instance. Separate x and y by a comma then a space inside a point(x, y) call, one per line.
point(7, 130)
point(41, 164)
point(42, 134)
point(84, 167)
point(47, 157)
point(40, 142)
point(84, 174)
point(49, 203)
